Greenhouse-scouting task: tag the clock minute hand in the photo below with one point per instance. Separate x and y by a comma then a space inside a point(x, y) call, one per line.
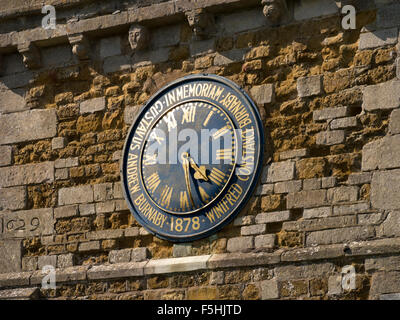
point(185, 164)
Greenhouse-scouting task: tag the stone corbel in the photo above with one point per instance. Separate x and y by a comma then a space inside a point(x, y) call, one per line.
point(30, 54)
point(276, 11)
point(201, 22)
point(139, 37)
point(80, 45)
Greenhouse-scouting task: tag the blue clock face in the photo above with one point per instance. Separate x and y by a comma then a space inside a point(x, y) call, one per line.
point(192, 158)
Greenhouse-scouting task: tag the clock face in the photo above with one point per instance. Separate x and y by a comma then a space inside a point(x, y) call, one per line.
point(192, 157)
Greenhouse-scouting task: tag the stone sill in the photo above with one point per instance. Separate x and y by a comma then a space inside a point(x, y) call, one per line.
point(205, 262)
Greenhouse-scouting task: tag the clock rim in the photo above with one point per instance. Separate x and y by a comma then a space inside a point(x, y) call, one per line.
point(256, 175)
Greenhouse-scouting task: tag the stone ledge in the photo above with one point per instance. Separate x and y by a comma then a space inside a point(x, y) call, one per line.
point(206, 262)
point(172, 265)
point(20, 294)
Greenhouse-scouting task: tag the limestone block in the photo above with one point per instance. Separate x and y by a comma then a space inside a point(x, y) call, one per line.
point(269, 289)
point(28, 126)
point(13, 198)
point(263, 94)
point(240, 244)
point(253, 229)
point(11, 255)
point(340, 235)
point(93, 105)
point(379, 38)
point(27, 223)
point(394, 122)
point(110, 47)
point(278, 171)
point(309, 86)
point(330, 113)
point(272, 217)
point(5, 155)
point(27, 174)
point(265, 241)
point(307, 199)
point(382, 96)
point(173, 265)
point(72, 195)
point(12, 101)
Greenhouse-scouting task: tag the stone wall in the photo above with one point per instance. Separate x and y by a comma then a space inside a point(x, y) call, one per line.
point(327, 201)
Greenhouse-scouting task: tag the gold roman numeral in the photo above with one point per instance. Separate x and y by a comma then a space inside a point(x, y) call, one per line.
point(184, 200)
point(204, 196)
point(217, 176)
point(170, 120)
point(153, 136)
point(221, 132)
point(166, 195)
point(189, 114)
point(208, 118)
point(225, 154)
point(153, 181)
point(149, 160)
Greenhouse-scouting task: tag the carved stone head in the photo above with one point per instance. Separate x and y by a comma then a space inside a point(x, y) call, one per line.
point(200, 21)
point(139, 37)
point(274, 10)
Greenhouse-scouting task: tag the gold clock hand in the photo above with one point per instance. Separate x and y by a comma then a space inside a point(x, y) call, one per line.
point(200, 172)
point(185, 164)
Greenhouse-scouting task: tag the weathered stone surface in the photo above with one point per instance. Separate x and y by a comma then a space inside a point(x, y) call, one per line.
point(391, 226)
point(253, 230)
point(307, 199)
point(307, 9)
point(293, 154)
point(5, 155)
point(330, 113)
point(240, 244)
point(244, 221)
point(344, 123)
point(330, 138)
point(374, 247)
point(72, 195)
point(166, 37)
point(288, 186)
point(92, 105)
point(340, 235)
point(140, 254)
point(263, 94)
point(380, 38)
point(388, 16)
point(12, 198)
point(303, 271)
point(119, 256)
point(394, 123)
point(335, 285)
point(182, 250)
point(385, 188)
point(14, 279)
point(320, 224)
point(351, 208)
point(383, 153)
point(317, 212)
point(20, 294)
point(265, 241)
point(103, 192)
point(359, 178)
point(217, 277)
point(328, 182)
point(65, 260)
point(21, 224)
point(105, 234)
point(11, 255)
point(390, 296)
point(309, 86)
point(27, 174)
point(29, 263)
point(110, 47)
point(312, 184)
point(66, 212)
point(12, 101)
point(176, 265)
point(269, 289)
point(232, 56)
point(130, 114)
point(272, 217)
point(47, 261)
point(342, 194)
point(382, 96)
point(264, 189)
point(279, 171)
point(313, 253)
point(27, 126)
point(87, 209)
point(58, 143)
point(89, 246)
point(382, 264)
point(384, 282)
point(118, 270)
point(231, 260)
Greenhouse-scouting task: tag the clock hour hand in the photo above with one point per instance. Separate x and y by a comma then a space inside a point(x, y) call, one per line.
point(200, 172)
point(185, 164)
